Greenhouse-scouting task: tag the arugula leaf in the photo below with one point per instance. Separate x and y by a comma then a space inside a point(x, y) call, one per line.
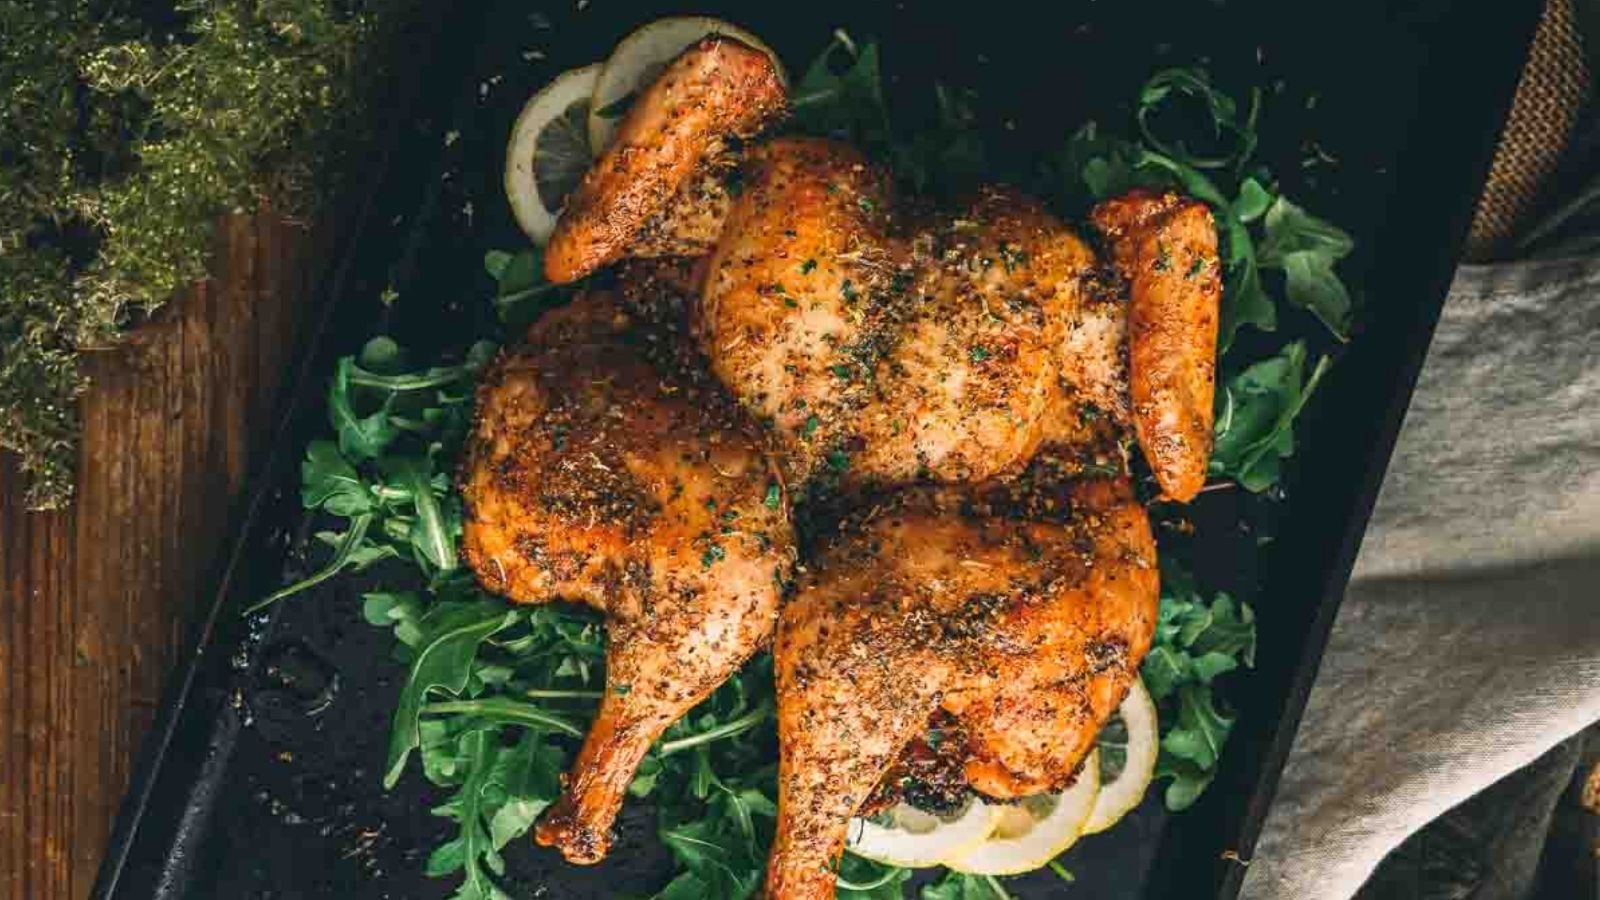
point(329, 482)
point(346, 554)
point(401, 611)
point(473, 849)
point(1306, 249)
point(434, 530)
point(360, 436)
point(1201, 729)
point(1255, 417)
point(502, 790)
point(947, 156)
point(865, 879)
point(728, 868)
point(1223, 112)
point(521, 291)
point(847, 103)
point(959, 886)
point(451, 634)
point(504, 711)
point(1195, 641)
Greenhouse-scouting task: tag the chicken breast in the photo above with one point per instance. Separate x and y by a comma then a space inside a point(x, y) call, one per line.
point(887, 357)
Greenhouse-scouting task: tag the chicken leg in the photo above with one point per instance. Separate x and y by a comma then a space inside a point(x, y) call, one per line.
point(943, 599)
point(606, 467)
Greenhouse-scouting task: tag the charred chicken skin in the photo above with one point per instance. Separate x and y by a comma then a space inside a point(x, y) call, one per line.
point(607, 468)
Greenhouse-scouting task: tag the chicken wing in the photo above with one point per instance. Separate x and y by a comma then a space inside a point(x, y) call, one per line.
point(672, 138)
point(1029, 627)
point(1165, 245)
point(606, 468)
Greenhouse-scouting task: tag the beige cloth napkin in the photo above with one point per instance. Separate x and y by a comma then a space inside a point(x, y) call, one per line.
point(1469, 640)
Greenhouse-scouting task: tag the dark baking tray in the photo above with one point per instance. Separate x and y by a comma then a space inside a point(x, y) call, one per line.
point(261, 776)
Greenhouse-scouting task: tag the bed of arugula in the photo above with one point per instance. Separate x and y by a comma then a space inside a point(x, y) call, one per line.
point(498, 697)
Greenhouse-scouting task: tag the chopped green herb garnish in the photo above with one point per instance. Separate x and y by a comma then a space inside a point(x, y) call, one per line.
point(713, 554)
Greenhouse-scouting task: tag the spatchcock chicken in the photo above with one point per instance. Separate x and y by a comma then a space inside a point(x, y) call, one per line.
point(964, 379)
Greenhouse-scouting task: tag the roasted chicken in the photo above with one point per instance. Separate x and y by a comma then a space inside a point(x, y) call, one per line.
point(607, 468)
point(965, 377)
point(1023, 615)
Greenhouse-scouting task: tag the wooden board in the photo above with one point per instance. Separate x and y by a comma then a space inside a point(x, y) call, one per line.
point(95, 600)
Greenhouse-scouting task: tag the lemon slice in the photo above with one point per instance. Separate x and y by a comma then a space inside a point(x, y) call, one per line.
point(1123, 792)
point(1033, 831)
point(641, 56)
point(910, 838)
point(549, 150)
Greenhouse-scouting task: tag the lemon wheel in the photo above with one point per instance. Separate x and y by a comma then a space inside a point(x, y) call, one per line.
point(1122, 792)
point(1033, 831)
point(549, 150)
point(910, 838)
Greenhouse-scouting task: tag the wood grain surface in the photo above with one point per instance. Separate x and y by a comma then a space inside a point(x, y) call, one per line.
point(95, 600)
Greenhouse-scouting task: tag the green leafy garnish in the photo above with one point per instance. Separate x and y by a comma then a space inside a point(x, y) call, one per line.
point(1259, 228)
point(521, 291)
point(383, 471)
point(960, 886)
point(1255, 416)
point(1306, 249)
point(841, 95)
point(1195, 642)
point(442, 660)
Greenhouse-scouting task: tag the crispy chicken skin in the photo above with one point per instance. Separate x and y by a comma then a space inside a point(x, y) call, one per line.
point(605, 469)
point(892, 355)
point(1165, 246)
point(668, 145)
point(1026, 618)
point(785, 316)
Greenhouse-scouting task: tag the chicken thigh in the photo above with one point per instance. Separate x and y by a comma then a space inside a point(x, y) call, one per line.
point(1023, 614)
point(607, 468)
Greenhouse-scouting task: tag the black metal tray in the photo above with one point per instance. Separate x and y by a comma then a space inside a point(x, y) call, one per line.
point(261, 775)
